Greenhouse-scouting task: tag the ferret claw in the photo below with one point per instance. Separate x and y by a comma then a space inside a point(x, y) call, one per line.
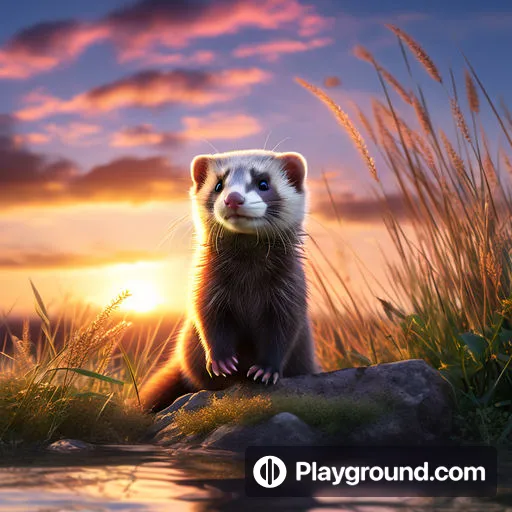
point(252, 369)
point(265, 373)
point(215, 368)
point(266, 377)
point(232, 364)
point(221, 367)
point(224, 368)
point(259, 373)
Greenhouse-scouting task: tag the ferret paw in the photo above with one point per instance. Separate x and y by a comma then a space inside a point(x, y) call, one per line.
point(267, 374)
point(222, 366)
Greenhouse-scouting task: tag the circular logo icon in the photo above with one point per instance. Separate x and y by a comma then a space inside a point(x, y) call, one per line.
point(269, 472)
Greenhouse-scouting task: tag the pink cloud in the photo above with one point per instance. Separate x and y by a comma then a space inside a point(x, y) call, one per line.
point(272, 50)
point(175, 24)
point(144, 135)
point(75, 133)
point(220, 125)
point(199, 57)
point(44, 46)
point(149, 89)
point(147, 26)
point(215, 126)
point(31, 138)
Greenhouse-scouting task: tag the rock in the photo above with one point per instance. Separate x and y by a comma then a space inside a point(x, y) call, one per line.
point(395, 403)
point(188, 402)
point(70, 446)
point(283, 429)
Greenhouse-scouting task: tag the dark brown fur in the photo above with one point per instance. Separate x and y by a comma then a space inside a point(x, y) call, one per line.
point(249, 301)
point(252, 304)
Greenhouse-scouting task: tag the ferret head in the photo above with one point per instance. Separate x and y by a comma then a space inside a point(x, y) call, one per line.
point(250, 192)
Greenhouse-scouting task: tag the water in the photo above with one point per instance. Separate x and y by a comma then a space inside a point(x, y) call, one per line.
point(144, 478)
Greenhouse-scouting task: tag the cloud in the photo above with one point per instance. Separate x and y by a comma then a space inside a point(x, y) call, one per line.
point(145, 135)
point(214, 126)
point(132, 179)
point(144, 26)
point(29, 178)
point(272, 50)
point(51, 260)
point(148, 89)
point(44, 46)
point(32, 138)
point(199, 57)
point(349, 208)
point(219, 125)
point(74, 133)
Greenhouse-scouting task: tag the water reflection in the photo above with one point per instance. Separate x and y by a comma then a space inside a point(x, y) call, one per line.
point(149, 479)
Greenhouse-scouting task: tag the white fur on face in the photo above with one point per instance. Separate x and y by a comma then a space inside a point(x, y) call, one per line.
point(252, 215)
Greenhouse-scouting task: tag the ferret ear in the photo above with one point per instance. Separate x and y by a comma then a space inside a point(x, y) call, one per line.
point(199, 170)
point(295, 167)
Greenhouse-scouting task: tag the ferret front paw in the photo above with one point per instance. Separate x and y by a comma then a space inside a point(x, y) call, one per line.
point(267, 373)
point(222, 366)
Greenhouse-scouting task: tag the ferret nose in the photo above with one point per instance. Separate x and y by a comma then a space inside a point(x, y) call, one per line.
point(234, 200)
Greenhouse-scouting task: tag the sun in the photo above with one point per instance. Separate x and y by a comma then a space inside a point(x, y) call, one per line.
point(144, 297)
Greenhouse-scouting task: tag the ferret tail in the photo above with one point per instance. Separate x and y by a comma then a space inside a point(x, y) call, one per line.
point(164, 387)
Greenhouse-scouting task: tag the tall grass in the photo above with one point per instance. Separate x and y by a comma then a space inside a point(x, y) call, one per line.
point(449, 297)
point(84, 386)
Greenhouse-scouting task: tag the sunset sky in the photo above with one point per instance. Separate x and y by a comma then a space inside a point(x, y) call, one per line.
point(104, 104)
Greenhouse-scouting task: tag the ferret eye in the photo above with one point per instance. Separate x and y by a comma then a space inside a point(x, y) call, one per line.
point(218, 187)
point(263, 185)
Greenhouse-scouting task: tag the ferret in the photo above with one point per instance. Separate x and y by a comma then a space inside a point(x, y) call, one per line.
point(248, 311)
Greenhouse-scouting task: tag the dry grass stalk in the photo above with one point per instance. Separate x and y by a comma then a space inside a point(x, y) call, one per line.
point(506, 112)
point(459, 119)
point(393, 120)
point(380, 116)
point(424, 150)
point(92, 338)
point(397, 86)
point(490, 170)
point(421, 115)
point(112, 338)
point(362, 53)
point(471, 93)
point(345, 121)
point(23, 357)
point(455, 159)
point(506, 160)
point(365, 122)
point(420, 54)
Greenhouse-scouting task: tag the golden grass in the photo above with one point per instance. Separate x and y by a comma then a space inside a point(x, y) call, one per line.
point(85, 387)
point(450, 277)
point(345, 121)
point(471, 93)
point(420, 54)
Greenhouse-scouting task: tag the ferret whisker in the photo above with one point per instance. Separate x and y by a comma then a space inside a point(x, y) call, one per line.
point(211, 145)
point(266, 140)
point(280, 142)
point(172, 228)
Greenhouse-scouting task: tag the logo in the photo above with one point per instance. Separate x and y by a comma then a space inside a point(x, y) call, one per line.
point(269, 472)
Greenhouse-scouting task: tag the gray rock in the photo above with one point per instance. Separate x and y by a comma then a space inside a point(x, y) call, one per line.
point(188, 402)
point(395, 403)
point(70, 446)
point(283, 429)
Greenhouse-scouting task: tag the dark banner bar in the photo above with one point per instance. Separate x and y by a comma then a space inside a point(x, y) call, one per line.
point(370, 471)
